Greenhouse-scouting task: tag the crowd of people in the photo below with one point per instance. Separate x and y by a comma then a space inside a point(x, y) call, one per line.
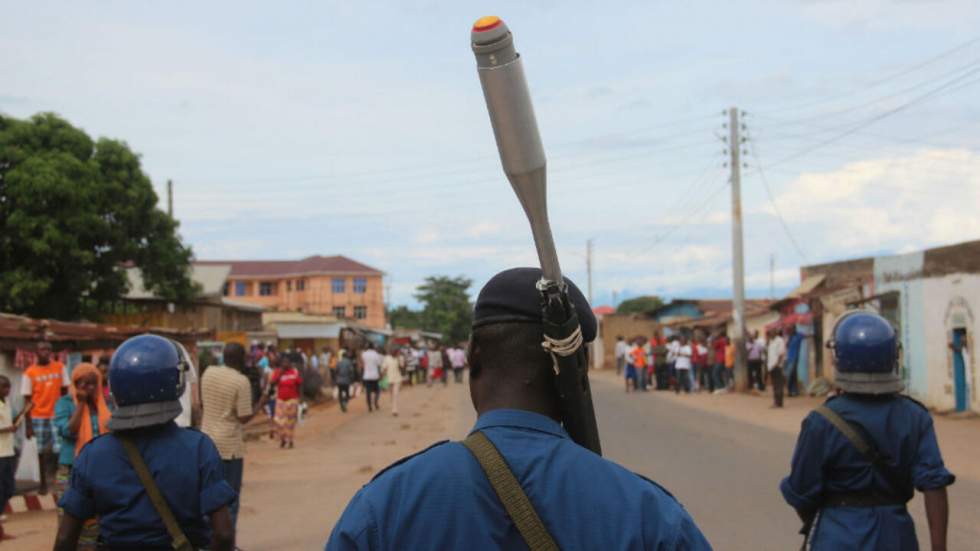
point(224, 389)
point(701, 362)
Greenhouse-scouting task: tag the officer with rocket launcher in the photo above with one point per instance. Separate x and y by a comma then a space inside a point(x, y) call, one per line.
point(530, 474)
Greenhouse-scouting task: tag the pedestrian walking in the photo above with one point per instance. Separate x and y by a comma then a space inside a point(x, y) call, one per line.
point(371, 376)
point(393, 372)
point(79, 416)
point(457, 358)
point(775, 356)
point(411, 359)
point(289, 387)
point(150, 483)
point(861, 456)
point(684, 365)
point(434, 357)
point(346, 373)
point(559, 485)
point(42, 384)
point(756, 351)
point(621, 350)
point(226, 397)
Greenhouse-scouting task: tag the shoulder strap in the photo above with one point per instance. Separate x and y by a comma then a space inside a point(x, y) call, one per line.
point(866, 449)
point(180, 541)
point(847, 430)
point(509, 490)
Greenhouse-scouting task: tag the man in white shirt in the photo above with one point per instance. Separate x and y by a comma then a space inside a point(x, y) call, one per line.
point(682, 363)
point(621, 349)
point(457, 357)
point(371, 362)
point(775, 356)
point(190, 400)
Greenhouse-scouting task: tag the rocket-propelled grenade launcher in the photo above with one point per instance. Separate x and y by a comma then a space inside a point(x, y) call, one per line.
point(512, 116)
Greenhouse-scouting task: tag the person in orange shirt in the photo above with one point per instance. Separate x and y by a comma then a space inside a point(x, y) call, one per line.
point(639, 356)
point(42, 385)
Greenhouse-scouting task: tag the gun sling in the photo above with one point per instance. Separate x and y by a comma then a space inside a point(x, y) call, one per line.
point(508, 489)
point(180, 541)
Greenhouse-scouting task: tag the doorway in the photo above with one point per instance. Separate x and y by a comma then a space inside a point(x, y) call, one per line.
point(959, 369)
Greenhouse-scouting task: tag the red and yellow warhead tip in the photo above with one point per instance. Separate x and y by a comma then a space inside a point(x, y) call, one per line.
point(486, 23)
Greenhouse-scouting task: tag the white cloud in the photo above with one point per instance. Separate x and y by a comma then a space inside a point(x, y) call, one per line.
point(483, 229)
point(900, 202)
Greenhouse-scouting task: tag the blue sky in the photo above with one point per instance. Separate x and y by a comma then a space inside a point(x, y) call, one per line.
point(357, 128)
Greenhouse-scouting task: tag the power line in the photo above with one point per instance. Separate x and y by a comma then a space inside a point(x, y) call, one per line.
point(961, 71)
point(875, 83)
point(878, 117)
point(772, 201)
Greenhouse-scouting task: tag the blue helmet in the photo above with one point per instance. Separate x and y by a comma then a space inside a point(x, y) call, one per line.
point(865, 349)
point(146, 379)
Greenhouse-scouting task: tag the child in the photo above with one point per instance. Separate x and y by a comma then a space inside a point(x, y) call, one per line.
point(8, 459)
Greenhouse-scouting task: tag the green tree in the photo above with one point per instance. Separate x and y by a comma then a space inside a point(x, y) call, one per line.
point(402, 317)
point(446, 306)
point(639, 305)
point(73, 214)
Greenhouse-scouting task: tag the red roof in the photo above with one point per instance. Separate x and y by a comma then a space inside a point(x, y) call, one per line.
point(309, 265)
point(603, 310)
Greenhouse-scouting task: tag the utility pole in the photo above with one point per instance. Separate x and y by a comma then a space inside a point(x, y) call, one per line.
point(588, 265)
point(170, 198)
point(738, 267)
point(772, 276)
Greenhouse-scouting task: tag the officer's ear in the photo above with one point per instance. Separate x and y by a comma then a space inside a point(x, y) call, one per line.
point(473, 357)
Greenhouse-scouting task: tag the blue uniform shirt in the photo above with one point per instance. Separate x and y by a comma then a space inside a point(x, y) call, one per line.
point(826, 462)
point(441, 498)
point(186, 467)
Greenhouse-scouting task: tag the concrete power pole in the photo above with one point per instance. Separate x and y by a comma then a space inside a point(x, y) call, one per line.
point(738, 261)
point(170, 198)
point(588, 266)
point(772, 276)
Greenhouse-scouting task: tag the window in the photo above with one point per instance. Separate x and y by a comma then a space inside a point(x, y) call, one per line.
point(267, 288)
point(339, 285)
point(360, 312)
point(300, 284)
point(360, 285)
point(339, 311)
point(225, 289)
point(289, 285)
point(241, 289)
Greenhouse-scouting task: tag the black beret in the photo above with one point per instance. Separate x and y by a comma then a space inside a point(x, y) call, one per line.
point(512, 297)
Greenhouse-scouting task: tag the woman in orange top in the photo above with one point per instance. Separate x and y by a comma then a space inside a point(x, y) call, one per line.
point(80, 415)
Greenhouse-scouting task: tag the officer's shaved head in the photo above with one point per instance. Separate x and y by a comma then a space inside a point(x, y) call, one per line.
point(510, 369)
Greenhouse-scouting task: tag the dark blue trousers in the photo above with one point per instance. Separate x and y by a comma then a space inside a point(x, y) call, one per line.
point(234, 470)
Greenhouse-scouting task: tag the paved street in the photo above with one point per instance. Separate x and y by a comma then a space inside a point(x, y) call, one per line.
point(723, 468)
point(726, 471)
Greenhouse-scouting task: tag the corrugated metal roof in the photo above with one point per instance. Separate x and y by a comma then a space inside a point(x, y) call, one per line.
point(14, 329)
point(807, 286)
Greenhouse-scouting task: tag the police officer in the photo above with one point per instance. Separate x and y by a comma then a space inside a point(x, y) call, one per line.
point(860, 456)
point(442, 498)
point(149, 482)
